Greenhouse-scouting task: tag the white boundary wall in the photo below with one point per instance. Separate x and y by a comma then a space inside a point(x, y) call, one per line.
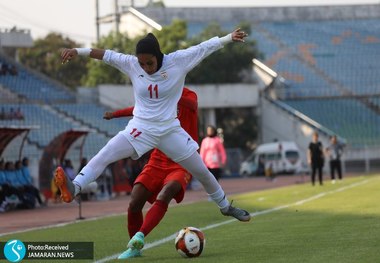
point(209, 96)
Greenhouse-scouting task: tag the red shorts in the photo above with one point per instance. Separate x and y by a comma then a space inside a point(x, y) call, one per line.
point(154, 178)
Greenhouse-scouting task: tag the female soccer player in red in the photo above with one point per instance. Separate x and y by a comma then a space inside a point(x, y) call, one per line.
point(161, 179)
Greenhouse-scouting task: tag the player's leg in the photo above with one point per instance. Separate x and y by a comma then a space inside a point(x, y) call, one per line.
point(313, 171)
point(332, 171)
point(117, 148)
point(339, 169)
point(320, 174)
point(140, 194)
point(152, 218)
point(198, 169)
point(160, 206)
point(147, 184)
point(173, 182)
point(185, 153)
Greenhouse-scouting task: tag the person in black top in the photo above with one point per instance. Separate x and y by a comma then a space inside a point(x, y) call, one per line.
point(315, 158)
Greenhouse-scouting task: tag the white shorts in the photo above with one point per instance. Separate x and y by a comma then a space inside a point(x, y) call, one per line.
point(169, 137)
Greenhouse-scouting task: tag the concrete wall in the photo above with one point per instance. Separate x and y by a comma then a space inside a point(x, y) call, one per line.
point(281, 125)
point(209, 96)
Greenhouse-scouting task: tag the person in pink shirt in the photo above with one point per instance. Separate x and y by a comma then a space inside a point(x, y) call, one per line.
point(213, 153)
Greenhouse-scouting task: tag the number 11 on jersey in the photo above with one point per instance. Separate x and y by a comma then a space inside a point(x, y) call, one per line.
point(152, 90)
point(135, 132)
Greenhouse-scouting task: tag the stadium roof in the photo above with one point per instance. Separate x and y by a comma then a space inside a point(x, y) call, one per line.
point(55, 153)
point(8, 134)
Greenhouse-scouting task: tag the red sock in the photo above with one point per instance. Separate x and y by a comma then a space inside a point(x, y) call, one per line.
point(135, 220)
point(154, 216)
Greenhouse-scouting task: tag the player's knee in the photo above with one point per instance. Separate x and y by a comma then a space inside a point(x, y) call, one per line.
point(169, 191)
point(135, 206)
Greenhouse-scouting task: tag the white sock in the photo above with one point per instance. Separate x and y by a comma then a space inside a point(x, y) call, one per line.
point(219, 197)
point(85, 176)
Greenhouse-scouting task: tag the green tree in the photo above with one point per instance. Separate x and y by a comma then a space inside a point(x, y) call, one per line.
point(227, 64)
point(101, 73)
point(156, 4)
point(44, 57)
point(239, 127)
point(173, 36)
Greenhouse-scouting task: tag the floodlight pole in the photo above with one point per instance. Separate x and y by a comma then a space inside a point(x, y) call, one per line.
point(97, 21)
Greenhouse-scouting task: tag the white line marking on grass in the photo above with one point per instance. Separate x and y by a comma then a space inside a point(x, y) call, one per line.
point(267, 211)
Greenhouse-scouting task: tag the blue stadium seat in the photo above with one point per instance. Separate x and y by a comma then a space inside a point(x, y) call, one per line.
point(33, 86)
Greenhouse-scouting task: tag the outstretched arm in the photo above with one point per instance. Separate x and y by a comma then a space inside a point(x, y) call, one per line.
point(68, 54)
point(192, 56)
point(119, 113)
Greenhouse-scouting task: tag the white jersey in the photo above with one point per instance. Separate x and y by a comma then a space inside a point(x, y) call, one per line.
point(157, 95)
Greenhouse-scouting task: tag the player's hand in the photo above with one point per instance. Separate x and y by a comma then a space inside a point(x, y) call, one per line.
point(108, 115)
point(68, 54)
point(238, 35)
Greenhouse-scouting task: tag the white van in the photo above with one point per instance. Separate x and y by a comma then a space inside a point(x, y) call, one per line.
point(283, 157)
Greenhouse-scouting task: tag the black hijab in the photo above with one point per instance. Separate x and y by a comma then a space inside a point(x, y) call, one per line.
point(150, 45)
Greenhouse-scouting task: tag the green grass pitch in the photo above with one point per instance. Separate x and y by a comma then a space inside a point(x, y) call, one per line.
point(301, 223)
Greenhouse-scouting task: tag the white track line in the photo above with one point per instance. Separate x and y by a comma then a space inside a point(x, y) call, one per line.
point(267, 211)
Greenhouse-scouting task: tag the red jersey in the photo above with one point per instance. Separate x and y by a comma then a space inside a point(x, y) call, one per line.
point(187, 112)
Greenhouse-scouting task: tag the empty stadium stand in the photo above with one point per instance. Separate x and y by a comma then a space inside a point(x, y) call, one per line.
point(92, 116)
point(331, 72)
point(32, 85)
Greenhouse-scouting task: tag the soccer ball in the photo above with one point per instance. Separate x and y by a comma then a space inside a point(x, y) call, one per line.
point(190, 242)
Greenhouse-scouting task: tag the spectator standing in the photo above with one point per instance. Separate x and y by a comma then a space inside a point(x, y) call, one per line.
point(269, 173)
point(315, 158)
point(213, 153)
point(334, 151)
point(261, 165)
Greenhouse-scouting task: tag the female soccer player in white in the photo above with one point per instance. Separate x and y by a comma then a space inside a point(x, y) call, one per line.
point(158, 81)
